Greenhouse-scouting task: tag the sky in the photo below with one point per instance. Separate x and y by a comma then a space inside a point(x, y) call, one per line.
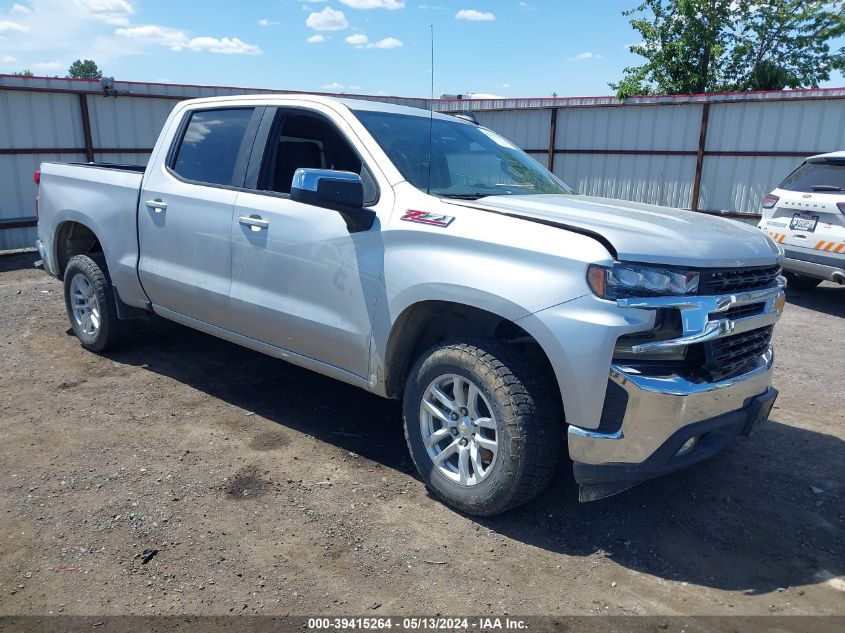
point(511, 48)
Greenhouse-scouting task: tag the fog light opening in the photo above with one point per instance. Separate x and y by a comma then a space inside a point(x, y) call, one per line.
point(688, 446)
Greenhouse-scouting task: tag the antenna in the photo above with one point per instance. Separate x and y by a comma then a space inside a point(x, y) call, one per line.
point(430, 112)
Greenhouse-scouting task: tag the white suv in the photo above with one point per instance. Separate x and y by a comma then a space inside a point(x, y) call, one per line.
point(806, 216)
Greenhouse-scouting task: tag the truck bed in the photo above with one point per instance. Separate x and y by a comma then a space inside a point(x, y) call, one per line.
point(104, 198)
point(118, 166)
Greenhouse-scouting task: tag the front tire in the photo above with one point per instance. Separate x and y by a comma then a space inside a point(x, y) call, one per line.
point(90, 304)
point(483, 426)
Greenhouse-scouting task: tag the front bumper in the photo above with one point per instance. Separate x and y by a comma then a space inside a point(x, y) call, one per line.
point(662, 415)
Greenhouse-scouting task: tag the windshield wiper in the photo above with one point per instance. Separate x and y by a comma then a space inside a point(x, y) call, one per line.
point(464, 196)
point(826, 188)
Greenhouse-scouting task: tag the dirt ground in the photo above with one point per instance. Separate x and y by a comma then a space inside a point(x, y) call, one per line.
point(255, 487)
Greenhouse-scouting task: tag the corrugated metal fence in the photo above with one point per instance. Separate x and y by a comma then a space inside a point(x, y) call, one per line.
point(709, 153)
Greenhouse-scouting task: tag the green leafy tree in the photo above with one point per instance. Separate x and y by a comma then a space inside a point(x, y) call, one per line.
point(84, 69)
point(26, 72)
point(697, 46)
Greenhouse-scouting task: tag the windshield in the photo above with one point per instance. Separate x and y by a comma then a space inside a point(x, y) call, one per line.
point(467, 161)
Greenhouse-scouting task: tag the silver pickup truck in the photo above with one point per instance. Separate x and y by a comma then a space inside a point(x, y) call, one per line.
point(425, 258)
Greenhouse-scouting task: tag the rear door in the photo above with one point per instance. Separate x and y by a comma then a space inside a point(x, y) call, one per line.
point(185, 214)
point(808, 216)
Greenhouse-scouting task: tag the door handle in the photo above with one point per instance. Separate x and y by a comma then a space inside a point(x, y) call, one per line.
point(156, 205)
point(256, 223)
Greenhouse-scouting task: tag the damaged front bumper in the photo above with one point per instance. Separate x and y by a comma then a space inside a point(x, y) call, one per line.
point(669, 423)
point(662, 423)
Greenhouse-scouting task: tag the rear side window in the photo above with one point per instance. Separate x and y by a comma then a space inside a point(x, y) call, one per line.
point(210, 145)
point(817, 177)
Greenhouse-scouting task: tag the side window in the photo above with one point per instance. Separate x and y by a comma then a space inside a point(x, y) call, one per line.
point(308, 141)
point(210, 145)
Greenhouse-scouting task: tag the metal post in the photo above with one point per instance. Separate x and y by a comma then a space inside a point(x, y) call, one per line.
point(552, 135)
point(86, 127)
point(699, 156)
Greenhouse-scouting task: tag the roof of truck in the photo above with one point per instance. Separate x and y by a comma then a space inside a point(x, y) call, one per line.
point(820, 158)
point(353, 104)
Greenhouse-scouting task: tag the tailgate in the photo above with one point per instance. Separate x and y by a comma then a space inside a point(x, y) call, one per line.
point(810, 223)
point(810, 209)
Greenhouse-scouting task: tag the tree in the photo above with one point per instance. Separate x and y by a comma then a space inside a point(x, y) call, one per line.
point(26, 72)
point(84, 69)
point(697, 46)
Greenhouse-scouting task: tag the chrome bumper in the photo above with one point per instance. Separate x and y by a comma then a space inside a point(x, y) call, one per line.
point(658, 407)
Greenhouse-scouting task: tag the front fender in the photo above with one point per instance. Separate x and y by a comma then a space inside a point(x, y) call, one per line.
point(578, 337)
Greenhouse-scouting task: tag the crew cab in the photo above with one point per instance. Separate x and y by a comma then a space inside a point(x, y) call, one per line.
point(422, 257)
point(806, 216)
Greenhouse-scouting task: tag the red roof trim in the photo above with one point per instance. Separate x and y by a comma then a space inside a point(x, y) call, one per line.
point(523, 99)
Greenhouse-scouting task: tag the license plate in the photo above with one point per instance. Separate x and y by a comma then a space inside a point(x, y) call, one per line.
point(804, 222)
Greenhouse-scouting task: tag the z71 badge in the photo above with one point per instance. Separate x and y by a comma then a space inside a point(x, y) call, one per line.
point(424, 217)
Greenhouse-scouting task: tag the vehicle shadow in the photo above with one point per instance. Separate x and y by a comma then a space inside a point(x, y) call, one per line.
point(828, 298)
point(765, 514)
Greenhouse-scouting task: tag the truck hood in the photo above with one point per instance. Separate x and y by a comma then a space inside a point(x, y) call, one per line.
point(644, 232)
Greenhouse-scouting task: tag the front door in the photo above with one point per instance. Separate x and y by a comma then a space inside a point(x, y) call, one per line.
point(300, 280)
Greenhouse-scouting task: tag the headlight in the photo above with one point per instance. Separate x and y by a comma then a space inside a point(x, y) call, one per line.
point(628, 280)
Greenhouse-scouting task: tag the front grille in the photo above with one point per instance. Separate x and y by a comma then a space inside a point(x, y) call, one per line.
point(716, 282)
point(739, 312)
point(729, 356)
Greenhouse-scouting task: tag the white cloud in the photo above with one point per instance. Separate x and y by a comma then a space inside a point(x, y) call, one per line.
point(387, 42)
point(327, 20)
point(359, 39)
point(174, 39)
point(9, 26)
point(177, 41)
point(20, 9)
point(114, 12)
point(8, 59)
point(585, 56)
point(224, 45)
point(266, 22)
point(47, 65)
point(374, 4)
point(316, 39)
point(474, 16)
point(334, 86)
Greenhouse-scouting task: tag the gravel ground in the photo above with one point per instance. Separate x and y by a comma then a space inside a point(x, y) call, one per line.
point(185, 475)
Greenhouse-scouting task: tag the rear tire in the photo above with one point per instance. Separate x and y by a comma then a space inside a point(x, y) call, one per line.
point(801, 282)
point(510, 455)
point(90, 303)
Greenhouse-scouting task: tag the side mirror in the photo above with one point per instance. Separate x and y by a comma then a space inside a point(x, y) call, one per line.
point(341, 191)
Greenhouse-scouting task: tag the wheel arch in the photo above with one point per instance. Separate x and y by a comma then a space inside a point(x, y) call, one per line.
point(73, 237)
point(425, 323)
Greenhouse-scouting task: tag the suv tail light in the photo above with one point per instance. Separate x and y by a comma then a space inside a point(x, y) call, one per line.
point(769, 201)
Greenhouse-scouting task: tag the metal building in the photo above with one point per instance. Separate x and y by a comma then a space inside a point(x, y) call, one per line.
point(709, 153)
